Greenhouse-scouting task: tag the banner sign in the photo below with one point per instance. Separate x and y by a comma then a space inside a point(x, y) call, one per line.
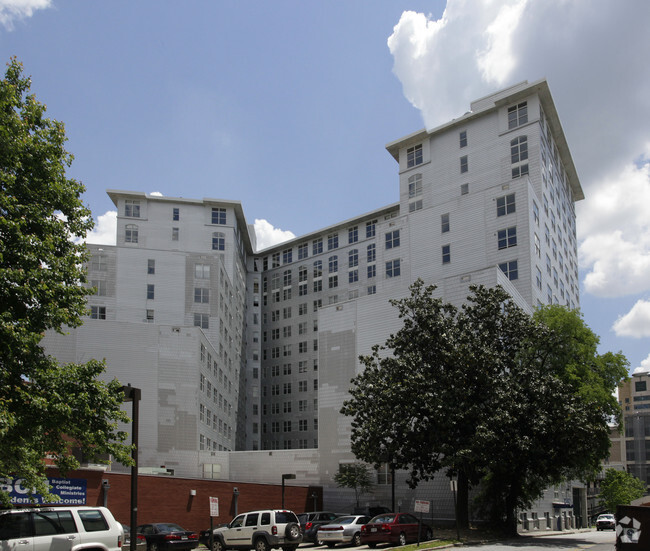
point(71, 491)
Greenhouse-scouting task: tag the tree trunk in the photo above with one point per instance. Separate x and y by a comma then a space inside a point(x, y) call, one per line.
point(462, 502)
point(511, 512)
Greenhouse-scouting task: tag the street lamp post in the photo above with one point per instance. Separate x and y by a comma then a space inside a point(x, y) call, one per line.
point(286, 477)
point(133, 395)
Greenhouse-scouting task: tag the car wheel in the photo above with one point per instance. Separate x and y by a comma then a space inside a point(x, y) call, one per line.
point(261, 545)
point(356, 540)
point(152, 547)
point(372, 545)
point(291, 532)
point(216, 545)
point(402, 539)
point(331, 545)
point(319, 542)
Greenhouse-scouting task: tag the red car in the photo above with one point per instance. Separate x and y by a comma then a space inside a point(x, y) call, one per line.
point(397, 528)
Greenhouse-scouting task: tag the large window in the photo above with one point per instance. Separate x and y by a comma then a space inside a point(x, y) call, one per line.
point(372, 252)
point(332, 241)
point(219, 216)
point(519, 149)
point(201, 295)
point(462, 138)
point(444, 222)
point(98, 312)
point(415, 185)
point(218, 241)
point(393, 268)
point(353, 234)
point(303, 251)
point(392, 239)
point(464, 164)
point(370, 228)
point(131, 233)
point(317, 246)
point(506, 204)
point(510, 269)
point(353, 258)
point(517, 115)
point(202, 271)
point(333, 264)
point(507, 238)
point(151, 291)
point(446, 254)
point(132, 208)
point(414, 156)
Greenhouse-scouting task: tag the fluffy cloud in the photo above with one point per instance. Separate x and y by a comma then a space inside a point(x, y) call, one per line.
point(12, 10)
point(104, 231)
point(644, 367)
point(636, 323)
point(267, 235)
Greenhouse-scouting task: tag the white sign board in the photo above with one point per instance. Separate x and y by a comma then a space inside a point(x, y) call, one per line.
point(422, 506)
point(214, 506)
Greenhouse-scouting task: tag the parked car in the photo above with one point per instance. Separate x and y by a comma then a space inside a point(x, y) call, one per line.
point(397, 528)
point(167, 536)
point(606, 522)
point(345, 529)
point(64, 528)
point(310, 522)
point(140, 544)
point(259, 530)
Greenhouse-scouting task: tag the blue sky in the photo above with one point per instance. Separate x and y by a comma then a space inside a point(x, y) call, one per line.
point(287, 105)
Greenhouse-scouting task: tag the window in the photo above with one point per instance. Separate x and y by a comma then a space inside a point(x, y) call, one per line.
point(353, 258)
point(202, 321)
point(446, 254)
point(132, 208)
point(507, 238)
point(332, 241)
point(444, 222)
point(353, 276)
point(353, 234)
point(151, 266)
point(100, 287)
point(372, 289)
point(287, 256)
point(392, 239)
point(372, 252)
point(150, 291)
point(98, 312)
point(202, 271)
point(333, 281)
point(201, 295)
point(538, 278)
point(176, 213)
point(372, 271)
point(370, 228)
point(414, 156)
point(275, 260)
point(317, 246)
point(506, 204)
point(149, 316)
point(303, 251)
point(318, 268)
point(131, 233)
point(510, 269)
point(518, 149)
point(464, 189)
point(517, 115)
point(218, 241)
point(219, 216)
point(415, 185)
point(286, 278)
point(393, 268)
point(535, 213)
point(519, 171)
point(318, 285)
point(464, 165)
point(415, 205)
point(175, 234)
point(463, 138)
point(98, 263)
point(333, 263)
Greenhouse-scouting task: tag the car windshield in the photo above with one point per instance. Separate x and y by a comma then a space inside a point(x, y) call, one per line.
point(169, 528)
point(383, 519)
point(606, 517)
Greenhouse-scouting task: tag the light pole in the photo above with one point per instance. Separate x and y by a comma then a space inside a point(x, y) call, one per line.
point(133, 395)
point(286, 477)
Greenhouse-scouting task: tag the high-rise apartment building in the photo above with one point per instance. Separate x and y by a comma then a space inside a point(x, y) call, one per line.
point(239, 349)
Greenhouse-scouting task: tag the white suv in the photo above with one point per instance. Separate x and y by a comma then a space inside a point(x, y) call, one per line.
point(259, 530)
point(60, 528)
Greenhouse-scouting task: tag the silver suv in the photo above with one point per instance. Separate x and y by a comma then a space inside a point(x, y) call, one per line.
point(60, 528)
point(259, 530)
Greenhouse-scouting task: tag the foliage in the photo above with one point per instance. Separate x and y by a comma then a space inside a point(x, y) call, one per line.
point(481, 392)
point(41, 277)
point(356, 476)
point(620, 488)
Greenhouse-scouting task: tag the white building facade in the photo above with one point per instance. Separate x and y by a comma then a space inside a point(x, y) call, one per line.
point(245, 357)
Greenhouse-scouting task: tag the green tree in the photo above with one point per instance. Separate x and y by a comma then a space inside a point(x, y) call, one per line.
point(356, 476)
point(620, 488)
point(481, 393)
point(45, 409)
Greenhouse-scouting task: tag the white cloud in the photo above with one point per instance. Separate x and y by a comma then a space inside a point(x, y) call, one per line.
point(644, 367)
point(105, 229)
point(267, 235)
point(479, 46)
point(12, 10)
point(156, 194)
point(636, 323)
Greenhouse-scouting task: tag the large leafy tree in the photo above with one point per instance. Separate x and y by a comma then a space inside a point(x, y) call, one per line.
point(620, 488)
point(482, 393)
point(356, 476)
point(45, 409)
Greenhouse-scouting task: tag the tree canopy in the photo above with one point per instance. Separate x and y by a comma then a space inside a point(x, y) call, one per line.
point(620, 488)
point(45, 409)
point(485, 393)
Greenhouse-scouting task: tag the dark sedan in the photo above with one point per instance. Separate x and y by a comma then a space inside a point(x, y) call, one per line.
point(396, 528)
point(167, 536)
